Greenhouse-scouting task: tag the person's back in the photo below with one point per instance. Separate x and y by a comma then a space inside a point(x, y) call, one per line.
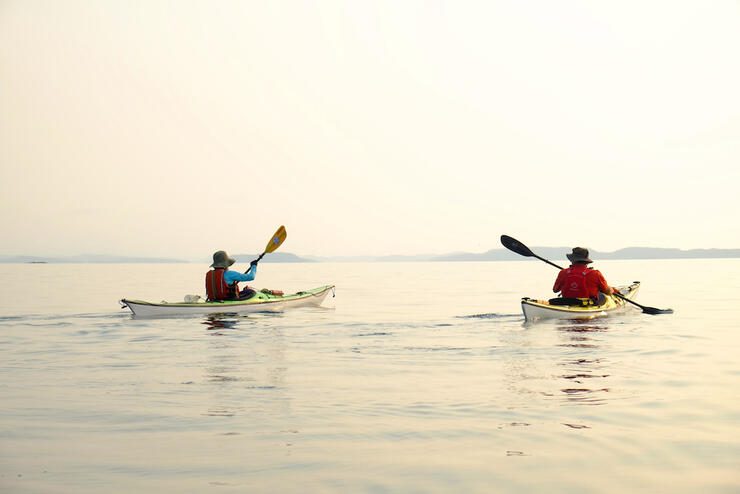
point(216, 286)
point(579, 281)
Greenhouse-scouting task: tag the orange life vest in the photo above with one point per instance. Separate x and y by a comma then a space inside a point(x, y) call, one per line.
point(216, 287)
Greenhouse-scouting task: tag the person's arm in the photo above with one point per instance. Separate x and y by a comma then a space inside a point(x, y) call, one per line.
point(232, 276)
point(558, 286)
point(603, 285)
point(252, 271)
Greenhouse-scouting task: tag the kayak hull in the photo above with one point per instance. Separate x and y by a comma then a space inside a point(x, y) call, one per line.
point(538, 310)
point(261, 302)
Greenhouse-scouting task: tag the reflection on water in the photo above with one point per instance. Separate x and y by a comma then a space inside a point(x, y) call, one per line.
point(215, 322)
point(562, 361)
point(245, 360)
point(583, 374)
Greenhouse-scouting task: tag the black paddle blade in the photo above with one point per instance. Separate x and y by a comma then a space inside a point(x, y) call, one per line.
point(654, 311)
point(516, 246)
point(646, 310)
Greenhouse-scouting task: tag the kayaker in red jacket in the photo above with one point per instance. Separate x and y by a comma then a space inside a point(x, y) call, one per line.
point(222, 284)
point(580, 281)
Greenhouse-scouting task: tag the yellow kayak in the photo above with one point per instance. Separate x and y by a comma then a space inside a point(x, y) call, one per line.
point(542, 309)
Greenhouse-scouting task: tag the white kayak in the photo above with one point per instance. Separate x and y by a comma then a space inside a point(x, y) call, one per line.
point(263, 301)
point(542, 309)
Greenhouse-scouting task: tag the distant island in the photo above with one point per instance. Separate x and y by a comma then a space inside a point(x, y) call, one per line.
point(86, 259)
point(107, 259)
point(272, 257)
point(554, 253)
point(626, 253)
point(547, 252)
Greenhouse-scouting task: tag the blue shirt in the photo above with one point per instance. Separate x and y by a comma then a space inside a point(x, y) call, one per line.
point(232, 276)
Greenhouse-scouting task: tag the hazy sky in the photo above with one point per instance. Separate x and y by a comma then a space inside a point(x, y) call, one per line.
point(178, 128)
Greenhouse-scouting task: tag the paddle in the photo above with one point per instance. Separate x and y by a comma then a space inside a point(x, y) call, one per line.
point(516, 246)
point(521, 249)
point(277, 239)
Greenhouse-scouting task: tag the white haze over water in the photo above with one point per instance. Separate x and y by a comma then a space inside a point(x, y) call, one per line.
point(164, 129)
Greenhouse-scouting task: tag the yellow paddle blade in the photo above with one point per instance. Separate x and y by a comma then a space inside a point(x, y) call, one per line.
point(277, 239)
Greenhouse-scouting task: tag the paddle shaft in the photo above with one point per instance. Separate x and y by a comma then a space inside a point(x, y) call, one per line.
point(256, 261)
point(548, 262)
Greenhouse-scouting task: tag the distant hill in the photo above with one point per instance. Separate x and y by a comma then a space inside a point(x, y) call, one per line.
point(657, 253)
point(552, 253)
point(105, 259)
point(88, 259)
point(272, 257)
point(397, 258)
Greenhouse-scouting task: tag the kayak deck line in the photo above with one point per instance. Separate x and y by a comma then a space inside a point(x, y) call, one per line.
point(260, 302)
point(539, 309)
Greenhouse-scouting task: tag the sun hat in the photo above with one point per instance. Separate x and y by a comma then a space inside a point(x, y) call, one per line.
point(579, 255)
point(222, 260)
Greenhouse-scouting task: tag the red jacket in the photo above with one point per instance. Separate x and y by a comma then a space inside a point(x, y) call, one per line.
point(580, 281)
point(216, 287)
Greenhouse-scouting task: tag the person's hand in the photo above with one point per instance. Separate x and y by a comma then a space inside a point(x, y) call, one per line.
point(253, 263)
point(616, 290)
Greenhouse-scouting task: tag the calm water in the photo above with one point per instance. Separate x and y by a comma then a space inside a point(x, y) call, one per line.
point(417, 377)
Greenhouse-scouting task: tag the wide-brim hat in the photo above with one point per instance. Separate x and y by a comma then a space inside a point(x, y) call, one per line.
point(579, 254)
point(222, 260)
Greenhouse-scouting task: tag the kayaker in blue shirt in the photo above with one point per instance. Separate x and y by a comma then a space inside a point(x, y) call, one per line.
point(222, 284)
